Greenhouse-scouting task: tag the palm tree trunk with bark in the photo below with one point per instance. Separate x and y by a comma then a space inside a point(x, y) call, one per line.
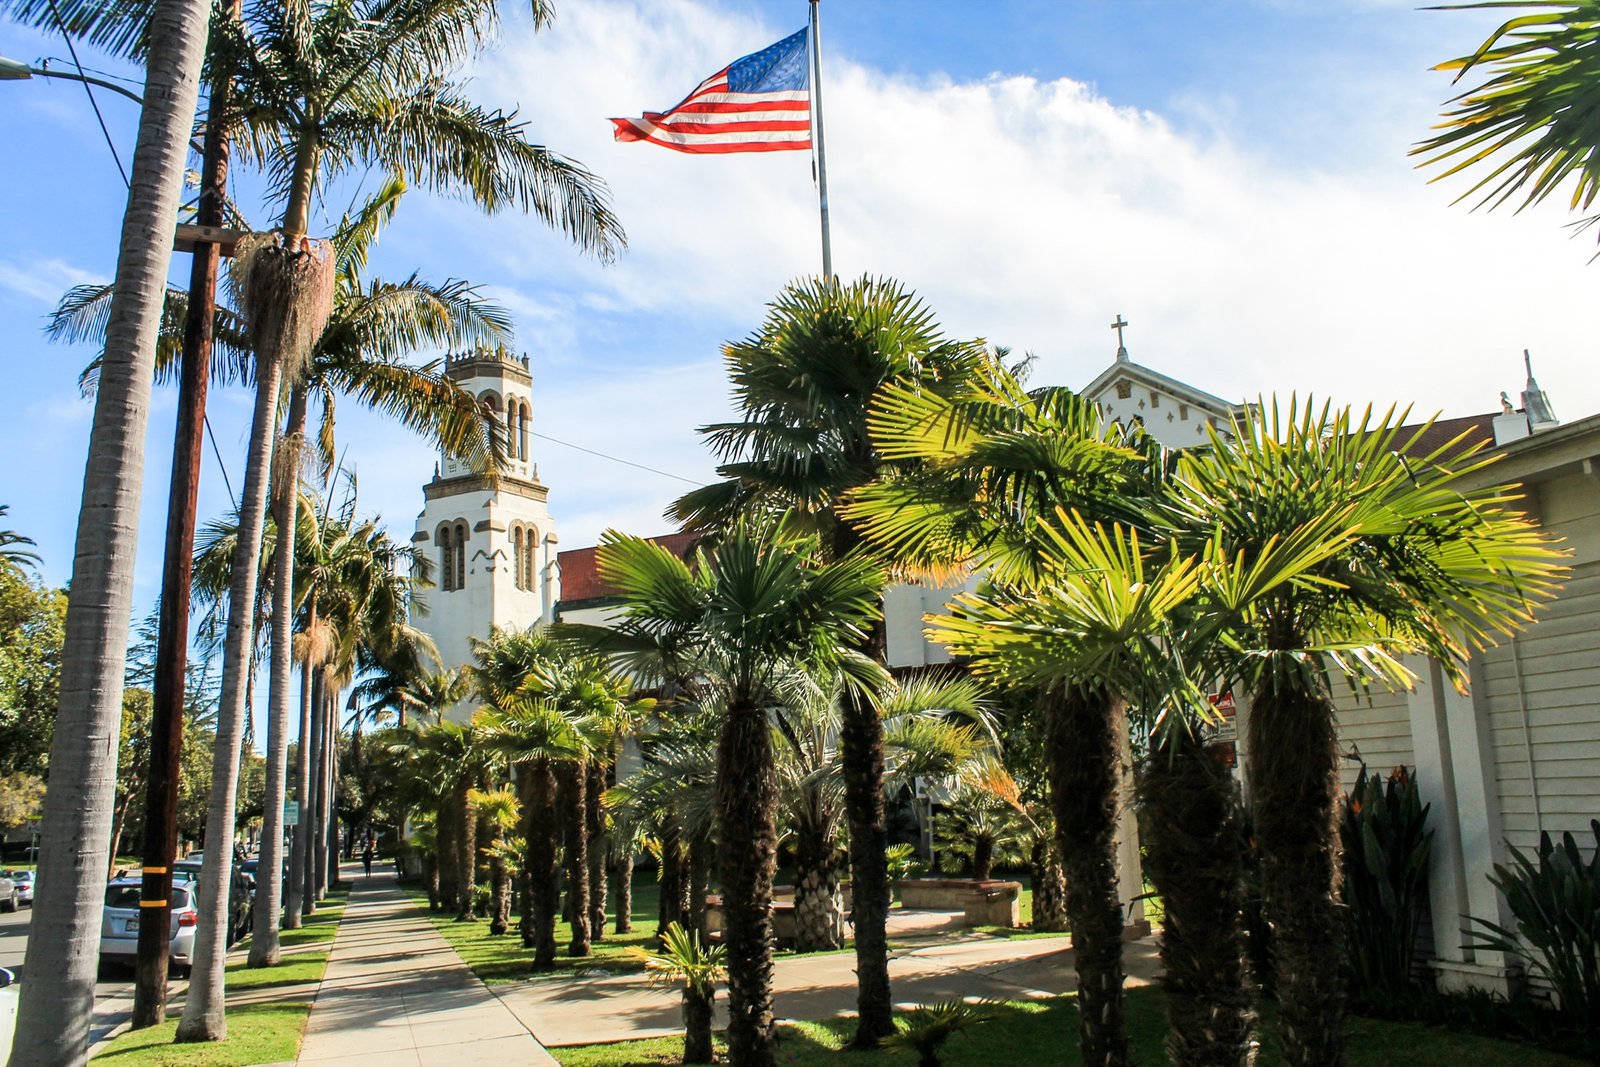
point(299, 903)
point(594, 819)
point(1294, 784)
point(672, 904)
point(541, 865)
point(203, 1010)
point(466, 851)
point(983, 857)
point(1196, 854)
point(698, 1010)
point(1084, 756)
point(316, 855)
point(447, 842)
point(500, 894)
point(747, 796)
point(622, 871)
point(818, 908)
point(1049, 889)
point(702, 857)
point(575, 830)
point(861, 758)
point(285, 508)
point(63, 947)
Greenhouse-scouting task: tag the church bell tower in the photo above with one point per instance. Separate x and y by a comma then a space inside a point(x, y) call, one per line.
point(490, 542)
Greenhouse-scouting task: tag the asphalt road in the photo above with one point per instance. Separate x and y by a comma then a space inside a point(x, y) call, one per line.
point(113, 993)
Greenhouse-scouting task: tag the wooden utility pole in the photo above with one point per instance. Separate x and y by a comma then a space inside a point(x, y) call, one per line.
point(172, 639)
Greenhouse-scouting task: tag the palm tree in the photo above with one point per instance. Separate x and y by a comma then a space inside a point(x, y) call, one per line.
point(13, 555)
point(1530, 122)
point(1427, 566)
point(977, 471)
point(804, 384)
point(499, 810)
point(685, 958)
point(56, 1002)
point(375, 89)
point(758, 604)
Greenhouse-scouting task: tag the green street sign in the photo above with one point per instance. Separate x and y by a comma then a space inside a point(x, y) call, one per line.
point(291, 813)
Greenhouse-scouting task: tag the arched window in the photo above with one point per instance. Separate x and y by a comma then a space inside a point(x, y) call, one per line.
point(516, 554)
point(447, 562)
point(492, 399)
point(530, 562)
point(522, 432)
point(460, 540)
point(511, 429)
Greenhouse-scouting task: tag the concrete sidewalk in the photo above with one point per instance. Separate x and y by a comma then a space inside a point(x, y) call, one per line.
point(569, 1010)
point(395, 993)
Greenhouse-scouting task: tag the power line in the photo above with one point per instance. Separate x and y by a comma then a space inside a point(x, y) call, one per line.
point(215, 451)
point(614, 459)
point(95, 104)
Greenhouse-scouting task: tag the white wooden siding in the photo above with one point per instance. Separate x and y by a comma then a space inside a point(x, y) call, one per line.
point(1560, 666)
point(1378, 724)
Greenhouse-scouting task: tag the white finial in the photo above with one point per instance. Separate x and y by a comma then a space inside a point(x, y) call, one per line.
point(1540, 414)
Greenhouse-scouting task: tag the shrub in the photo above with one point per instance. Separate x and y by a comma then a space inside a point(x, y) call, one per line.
point(1556, 905)
point(924, 1029)
point(1384, 834)
point(684, 959)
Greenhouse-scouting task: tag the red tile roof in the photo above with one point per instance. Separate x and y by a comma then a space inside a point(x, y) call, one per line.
point(580, 570)
point(1443, 431)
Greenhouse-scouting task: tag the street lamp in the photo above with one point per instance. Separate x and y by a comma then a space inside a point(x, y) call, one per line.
point(16, 70)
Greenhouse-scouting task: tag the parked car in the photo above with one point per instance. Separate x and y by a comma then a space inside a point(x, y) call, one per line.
point(24, 883)
point(10, 894)
point(119, 925)
point(241, 893)
point(8, 1013)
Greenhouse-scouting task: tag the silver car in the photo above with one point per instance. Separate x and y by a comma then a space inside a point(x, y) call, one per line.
point(119, 928)
point(24, 884)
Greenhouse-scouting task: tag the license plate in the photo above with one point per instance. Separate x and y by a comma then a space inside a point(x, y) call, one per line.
point(131, 925)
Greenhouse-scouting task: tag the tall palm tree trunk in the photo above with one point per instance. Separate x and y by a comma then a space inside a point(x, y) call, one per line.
point(595, 821)
point(541, 866)
point(574, 781)
point(63, 947)
point(1196, 855)
point(466, 850)
point(285, 506)
point(299, 903)
point(622, 871)
point(747, 797)
point(203, 1016)
point(818, 910)
point(311, 816)
point(325, 830)
point(1294, 785)
point(1049, 888)
point(861, 759)
point(1084, 756)
point(447, 843)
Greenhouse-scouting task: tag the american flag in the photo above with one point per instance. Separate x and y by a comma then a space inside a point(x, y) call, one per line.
point(758, 103)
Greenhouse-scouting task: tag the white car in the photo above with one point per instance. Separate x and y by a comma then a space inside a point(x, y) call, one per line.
point(119, 928)
point(8, 1012)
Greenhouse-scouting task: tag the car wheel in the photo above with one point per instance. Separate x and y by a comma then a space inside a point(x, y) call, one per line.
point(179, 970)
point(11, 904)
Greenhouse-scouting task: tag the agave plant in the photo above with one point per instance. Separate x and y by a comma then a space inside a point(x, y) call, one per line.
point(683, 958)
point(924, 1029)
point(1555, 898)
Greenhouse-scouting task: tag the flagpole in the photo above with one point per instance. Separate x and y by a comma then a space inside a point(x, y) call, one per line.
point(821, 150)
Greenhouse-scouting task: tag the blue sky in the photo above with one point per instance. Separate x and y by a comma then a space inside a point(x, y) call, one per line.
point(1230, 176)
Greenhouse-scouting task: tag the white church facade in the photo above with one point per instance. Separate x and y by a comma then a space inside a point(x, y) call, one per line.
point(490, 541)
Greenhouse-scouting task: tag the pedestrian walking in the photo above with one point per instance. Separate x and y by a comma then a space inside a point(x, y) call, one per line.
point(366, 857)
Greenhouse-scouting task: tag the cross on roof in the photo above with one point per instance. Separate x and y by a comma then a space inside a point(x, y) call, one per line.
point(1122, 350)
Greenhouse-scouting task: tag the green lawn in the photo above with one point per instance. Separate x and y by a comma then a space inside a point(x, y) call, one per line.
point(257, 1033)
point(502, 959)
point(1047, 1032)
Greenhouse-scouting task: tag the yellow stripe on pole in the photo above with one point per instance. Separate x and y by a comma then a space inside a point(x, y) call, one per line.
point(152, 903)
point(155, 870)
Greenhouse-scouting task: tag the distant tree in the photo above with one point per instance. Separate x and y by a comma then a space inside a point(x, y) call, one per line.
point(21, 799)
point(32, 632)
point(13, 556)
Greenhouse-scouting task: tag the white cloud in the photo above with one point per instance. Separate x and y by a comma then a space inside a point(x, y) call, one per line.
point(44, 280)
